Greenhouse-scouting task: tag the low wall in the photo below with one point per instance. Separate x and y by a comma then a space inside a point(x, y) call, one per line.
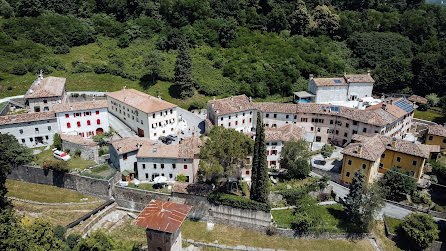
point(289, 233)
point(87, 152)
point(240, 218)
point(335, 177)
point(136, 199)
point(82, 184)
point(200, 205)
point(415, 209)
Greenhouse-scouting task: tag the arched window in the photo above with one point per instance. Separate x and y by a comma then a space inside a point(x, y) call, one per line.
point(88, 122)
point(78, 124)
point(67, 115)
point(68, 125)
point(98, 121)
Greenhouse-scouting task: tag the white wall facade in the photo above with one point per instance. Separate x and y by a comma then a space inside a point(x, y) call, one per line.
point(273, 150)
point(326, 94)
point(359, 90)
point(45, 104)
point(163, 123)
point(276, 119)
point(90, 122)
point(32, 134)
point(240, 121)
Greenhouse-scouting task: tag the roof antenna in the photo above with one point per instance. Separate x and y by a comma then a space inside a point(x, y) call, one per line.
point(41, 74)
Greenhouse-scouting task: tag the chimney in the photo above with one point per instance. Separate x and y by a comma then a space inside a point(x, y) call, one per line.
point(240, 107)
point(119, 149)
point(124, 87)
point(41, 75)
point(213, 97)
point(71, 108)
point(13, 118)
point(384, 107)
point(159, 97)
point(250, 99)
point(231, 98)
point(393, 142)
point(368, 72)
point(311, 76)
point(359, 148)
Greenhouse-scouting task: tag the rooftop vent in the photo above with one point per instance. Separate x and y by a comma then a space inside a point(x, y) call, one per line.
point(154, 150)
point(384, 107)
point(393, 142)
point(13, 117)
point(71, 108)
point(359, 149)
point(119, 149)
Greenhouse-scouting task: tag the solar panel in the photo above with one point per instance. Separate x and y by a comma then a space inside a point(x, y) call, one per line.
point(334, 108)
point(337, 81)
point(404, 105)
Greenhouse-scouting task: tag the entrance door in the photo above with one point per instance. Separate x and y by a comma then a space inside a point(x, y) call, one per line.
point(140, 132)
point(135, 168)
point(99, 131)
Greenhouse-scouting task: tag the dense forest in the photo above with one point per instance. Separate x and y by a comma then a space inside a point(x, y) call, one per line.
point(257, 47)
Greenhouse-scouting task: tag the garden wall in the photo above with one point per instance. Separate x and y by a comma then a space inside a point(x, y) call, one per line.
point(88, 152)
point(82, 184)
point(136, 199)
point(200, 205)
point(240, 218)
point(289, 233)
point(415, 209)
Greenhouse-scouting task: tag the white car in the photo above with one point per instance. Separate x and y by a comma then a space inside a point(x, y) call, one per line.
point(61, 155)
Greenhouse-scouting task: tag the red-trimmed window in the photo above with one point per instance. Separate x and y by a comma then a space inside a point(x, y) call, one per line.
point(78, 124)
point(67, 115)
point(98, 121)
point(88, 122)
point(229, 123)
point(97, 112)
point(124, 156)
point(243, 121)
point(185, 166)
point(68, 125)
point(236, 122)
point(247, 172)
point(267, 152)
point(250, 120)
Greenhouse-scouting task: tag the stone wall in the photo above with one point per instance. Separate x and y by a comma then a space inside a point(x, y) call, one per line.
point(335, 177)
point(200, 205)
point(240, 218)
point(136, 199)
point(289, 233)
point(87, 152)
point(82, 184)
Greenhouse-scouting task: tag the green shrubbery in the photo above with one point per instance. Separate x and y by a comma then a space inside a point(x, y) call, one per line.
point(181, 178)
point(237, 201)
point(56, 165)
point(419, 229)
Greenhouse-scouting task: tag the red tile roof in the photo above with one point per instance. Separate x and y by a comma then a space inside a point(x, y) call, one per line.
point(359, 78)
point(47, 87)
point(80, 106)
point(26, 117)
point(437, 130)
point(329, 81)
point(162, 216)
point(78, 140)
point(417, 99)
point(231, 105)
point(141, 101)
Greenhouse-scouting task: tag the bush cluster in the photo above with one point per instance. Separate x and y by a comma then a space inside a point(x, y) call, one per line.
point(237, 201)
point(56, 165)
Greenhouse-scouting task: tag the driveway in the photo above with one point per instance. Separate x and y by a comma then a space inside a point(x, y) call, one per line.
point(122, 129)
point(190, 123)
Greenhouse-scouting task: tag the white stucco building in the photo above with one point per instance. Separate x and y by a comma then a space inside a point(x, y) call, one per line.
point(30, 129)
point(347, 88)
point(85, 119)
point(44, 93)
point(148, 116)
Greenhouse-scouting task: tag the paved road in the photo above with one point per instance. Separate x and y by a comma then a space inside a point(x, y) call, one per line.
point(117, 125)
point(191, 123)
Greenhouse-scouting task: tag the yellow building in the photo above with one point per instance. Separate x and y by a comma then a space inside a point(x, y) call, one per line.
point(377, 153)
point(436, 135)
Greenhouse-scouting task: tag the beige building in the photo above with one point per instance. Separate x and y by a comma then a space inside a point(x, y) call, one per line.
point(44, 93)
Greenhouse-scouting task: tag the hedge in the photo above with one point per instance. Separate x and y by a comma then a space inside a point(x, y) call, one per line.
point(237, 201)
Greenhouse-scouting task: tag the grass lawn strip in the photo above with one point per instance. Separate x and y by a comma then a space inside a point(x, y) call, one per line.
point(393, 224)
point(44, 193)
point(149, 187)
point(75, 162)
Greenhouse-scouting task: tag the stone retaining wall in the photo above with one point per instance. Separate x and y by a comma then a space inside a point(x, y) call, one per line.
point(289, 233)
point(87, 152)
point(136, 199)
point(241, 218)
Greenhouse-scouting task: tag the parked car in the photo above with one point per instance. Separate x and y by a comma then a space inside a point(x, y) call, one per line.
point(165, 140)
point(61, 155)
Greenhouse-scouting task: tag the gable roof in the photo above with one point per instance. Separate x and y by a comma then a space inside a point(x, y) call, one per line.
point(26, 117)
point(437, 130)
point(284, 133)
point(80, 106)
point(231, 105)
point(329, 81)
point(359, 78)
point(126, 145)
point(46, 87)
point(162, 216)
point(417, 99)
point(276, 107)
point(141, 101)
point(78, 140)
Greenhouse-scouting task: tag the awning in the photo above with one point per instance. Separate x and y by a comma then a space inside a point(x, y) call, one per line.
point(127, 172)
point(303, 94)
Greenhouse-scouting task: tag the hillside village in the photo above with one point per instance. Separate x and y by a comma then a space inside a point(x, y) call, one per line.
point(156, 149)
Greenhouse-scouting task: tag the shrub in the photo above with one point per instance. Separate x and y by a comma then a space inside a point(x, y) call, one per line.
point(237, 201)
point(197, 105)
point(59, 232)
point(62, 49)
point(103, 150)
point(323, 197)
point(77, 152)
point(181, 178)
point(423, 107)
point(56, 165)
point(9, 88)
point(271, 230)
point(302, 222)
point(19, 69)
point(73, 240)
point(124, 41)
point(419, 230)
point(421, 197)
point(57, 141)
point(293, 195)
point(75, 95)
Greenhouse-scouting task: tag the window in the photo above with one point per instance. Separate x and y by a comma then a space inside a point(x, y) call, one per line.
point(295, 116)
point(349, 162)
point(46, 108)
point(68, 125)
point(67, 115)
point(347, 174)
point(78, 124)
point(185, 167)
point(174, 166)
point(247, 172)
point(364, 130)
point(45, 101)
point(243, 121)
point(303, 120)
point(162, 166)
point(153, 116)
point(97, 112)
point(364, 166)
point(383, 156)
point(414, 163)
point(337, 132)
point(229, 123)
point(275, 115)
point(250, 120)
point(444, 140)
point(31, 139)
point(431, 137)
point(236, 122)
point(147, 175)
point(412, 173)
point(170, 176)
point(154, 166)
point(287, 116)
point(381, 165)
point(21, 131)
point(345, 134)
point(273, 163)
point(36, 129)
point(355, 122)
point(312, 128)
point(171, 111)
point(49, 128)
point(143, 166)
point(331, 122)
point(267, 115)
point(98, 121)
point(124, 157)
point(355, 132)
point(23, 140)
point(398, 159)
point(88, 122)
point(267, 152)
point(347, 125)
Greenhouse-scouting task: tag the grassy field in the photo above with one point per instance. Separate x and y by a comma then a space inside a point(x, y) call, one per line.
point(75, 162)
point(235, 236)
point(430, 116)
point(333, 218)
point(149, 187)
point(44, 193)
point(100, 172)
point(393, 224)
point(380, 234)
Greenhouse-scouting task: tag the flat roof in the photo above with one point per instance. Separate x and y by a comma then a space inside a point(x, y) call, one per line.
point(303, 94)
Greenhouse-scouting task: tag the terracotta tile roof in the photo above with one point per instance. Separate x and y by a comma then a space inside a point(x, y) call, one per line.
point(158, 151)
point(208, 123)
point(200, 189)
point(390, 108)
point(26, 117)
point(78, 140)
point(284, 133)
point(162, 216)
point(374, 145)
point(47, 87)
point(191, 146)
point(126, 145)
point(276, 107)
point(79, 106)
point(141, 101)
point(417, 99)
point(359, 78)
point(231, 105)
point(437, 130)
point(329, 81)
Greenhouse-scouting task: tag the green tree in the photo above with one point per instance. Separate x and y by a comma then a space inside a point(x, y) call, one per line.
point(259, 176)
point(327, 150)
point(124, 41)
point(277, 20)
point(300, 19)
point(183, 72)
point(295, 159)
point(363, 202)
point(393, 74)
point(73, 240)
point(325, 22)
point(306, 215)
point(224, 153)
point(420, 230)
point(41, 235)
point(98, 241)
point(57, 141)
point(397, 182)
point(12, 155)
point(59, 232)
point(433, 99)
point(5, 9)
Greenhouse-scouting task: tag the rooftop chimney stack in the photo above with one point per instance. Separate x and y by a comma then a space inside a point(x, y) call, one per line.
point(368, 72)
point(231, 98)
point(250, 99)
point(213, 97)
point(359, 148)
point(384, 106)
point(311, 76)
point(393, 142)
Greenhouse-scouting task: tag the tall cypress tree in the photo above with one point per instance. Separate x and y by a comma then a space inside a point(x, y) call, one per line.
point(354, 199)
point(259, 178)
point(183, 71)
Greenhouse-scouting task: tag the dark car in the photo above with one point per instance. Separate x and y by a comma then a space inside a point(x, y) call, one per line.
point(165, 140)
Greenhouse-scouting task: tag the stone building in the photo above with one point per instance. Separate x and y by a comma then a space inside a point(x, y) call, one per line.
point(146, 115)
point(162, 221)
point(89, 149)
point(436, 135)
point(44, 93)
point(85, 119)
point(30, 129)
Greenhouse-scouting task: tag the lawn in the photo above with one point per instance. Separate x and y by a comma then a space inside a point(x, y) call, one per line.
point(44, 193)
point(100, 172)
point(333, 219)
point(76, 163)
point(393, 224)
point(430, 116)
point(234, 236)
point(149, 187)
